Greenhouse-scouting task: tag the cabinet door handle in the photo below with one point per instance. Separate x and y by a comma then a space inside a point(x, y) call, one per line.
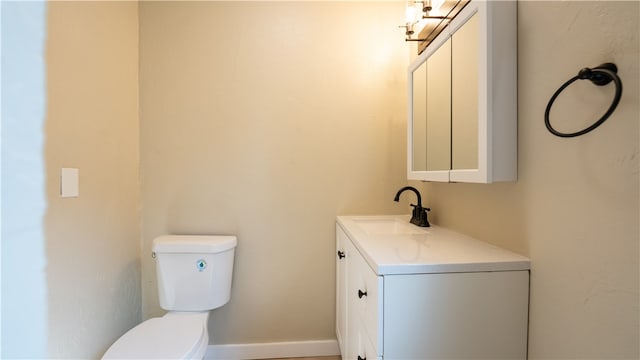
point(361, 358)
point(361, 293)
point(340, 254)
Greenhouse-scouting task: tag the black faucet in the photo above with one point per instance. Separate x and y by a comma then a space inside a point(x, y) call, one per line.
point(419, 216)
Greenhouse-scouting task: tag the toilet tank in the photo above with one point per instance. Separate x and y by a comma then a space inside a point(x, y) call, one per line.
point(194, 271)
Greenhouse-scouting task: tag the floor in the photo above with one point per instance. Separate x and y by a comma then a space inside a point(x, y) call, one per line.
point(337, 357)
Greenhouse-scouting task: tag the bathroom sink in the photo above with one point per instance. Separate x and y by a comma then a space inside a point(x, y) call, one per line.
point(387, 226)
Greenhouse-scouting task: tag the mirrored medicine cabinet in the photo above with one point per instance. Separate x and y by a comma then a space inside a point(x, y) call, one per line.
point(462, 124)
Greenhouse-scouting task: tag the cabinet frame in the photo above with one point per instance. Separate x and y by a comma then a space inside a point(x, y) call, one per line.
point(497, 94)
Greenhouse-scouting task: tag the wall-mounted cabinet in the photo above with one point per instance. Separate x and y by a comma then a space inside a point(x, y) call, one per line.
point(462, 123)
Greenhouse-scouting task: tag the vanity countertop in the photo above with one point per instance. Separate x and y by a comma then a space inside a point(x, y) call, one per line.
point(392, 246)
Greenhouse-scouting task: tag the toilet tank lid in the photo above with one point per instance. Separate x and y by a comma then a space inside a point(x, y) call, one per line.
point(194, 243)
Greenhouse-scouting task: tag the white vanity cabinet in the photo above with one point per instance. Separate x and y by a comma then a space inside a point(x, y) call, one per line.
point(462, 124)
point(405, 292)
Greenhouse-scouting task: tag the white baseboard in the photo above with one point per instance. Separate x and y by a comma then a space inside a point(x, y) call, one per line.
point(273, 350)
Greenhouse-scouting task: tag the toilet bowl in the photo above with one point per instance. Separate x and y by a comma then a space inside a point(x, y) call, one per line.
point(173, 336)
point(194, 276)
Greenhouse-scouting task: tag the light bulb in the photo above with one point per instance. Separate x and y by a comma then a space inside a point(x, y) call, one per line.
point(412, 13)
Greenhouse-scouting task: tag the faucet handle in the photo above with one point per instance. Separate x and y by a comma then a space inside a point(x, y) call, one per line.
point(427, 209)
point(414, 205)
point(419, 216)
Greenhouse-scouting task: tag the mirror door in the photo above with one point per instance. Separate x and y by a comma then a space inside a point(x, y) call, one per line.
point(430, 114)
point(464, 95)
point(438, 125)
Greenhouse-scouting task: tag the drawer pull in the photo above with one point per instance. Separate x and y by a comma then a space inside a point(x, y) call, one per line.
point(340, 254)
point(361, 358)
point(361, 293)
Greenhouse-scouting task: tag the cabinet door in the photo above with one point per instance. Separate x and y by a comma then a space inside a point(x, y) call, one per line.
point(353, 328)
point(364, 303)
point(484, 93)
point(438, 137)
point(341, 287)
point(429, 150)
point(367, 350)
point(419, 119)
point(367, 293)
point(464, 96)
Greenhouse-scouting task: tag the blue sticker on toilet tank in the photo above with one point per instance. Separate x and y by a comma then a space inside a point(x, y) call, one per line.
point(201, 264)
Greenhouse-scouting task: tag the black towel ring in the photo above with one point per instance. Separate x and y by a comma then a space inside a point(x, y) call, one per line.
point(600, 75)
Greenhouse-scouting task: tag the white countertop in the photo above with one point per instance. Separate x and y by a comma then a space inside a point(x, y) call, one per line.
point(427, 250)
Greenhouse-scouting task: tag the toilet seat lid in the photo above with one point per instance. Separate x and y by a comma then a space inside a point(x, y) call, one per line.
point(174, 336)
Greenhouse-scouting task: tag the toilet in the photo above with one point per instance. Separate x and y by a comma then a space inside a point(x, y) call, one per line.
point(194, 277)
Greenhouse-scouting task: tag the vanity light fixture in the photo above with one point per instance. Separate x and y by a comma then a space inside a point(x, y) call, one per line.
point(417, 11)
point(431, 9)
point(412, 15)
point(428, 18)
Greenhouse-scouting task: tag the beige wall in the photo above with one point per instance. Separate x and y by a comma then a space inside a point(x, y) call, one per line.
point(93, 241)
point(267, 120)
point(574, 209)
